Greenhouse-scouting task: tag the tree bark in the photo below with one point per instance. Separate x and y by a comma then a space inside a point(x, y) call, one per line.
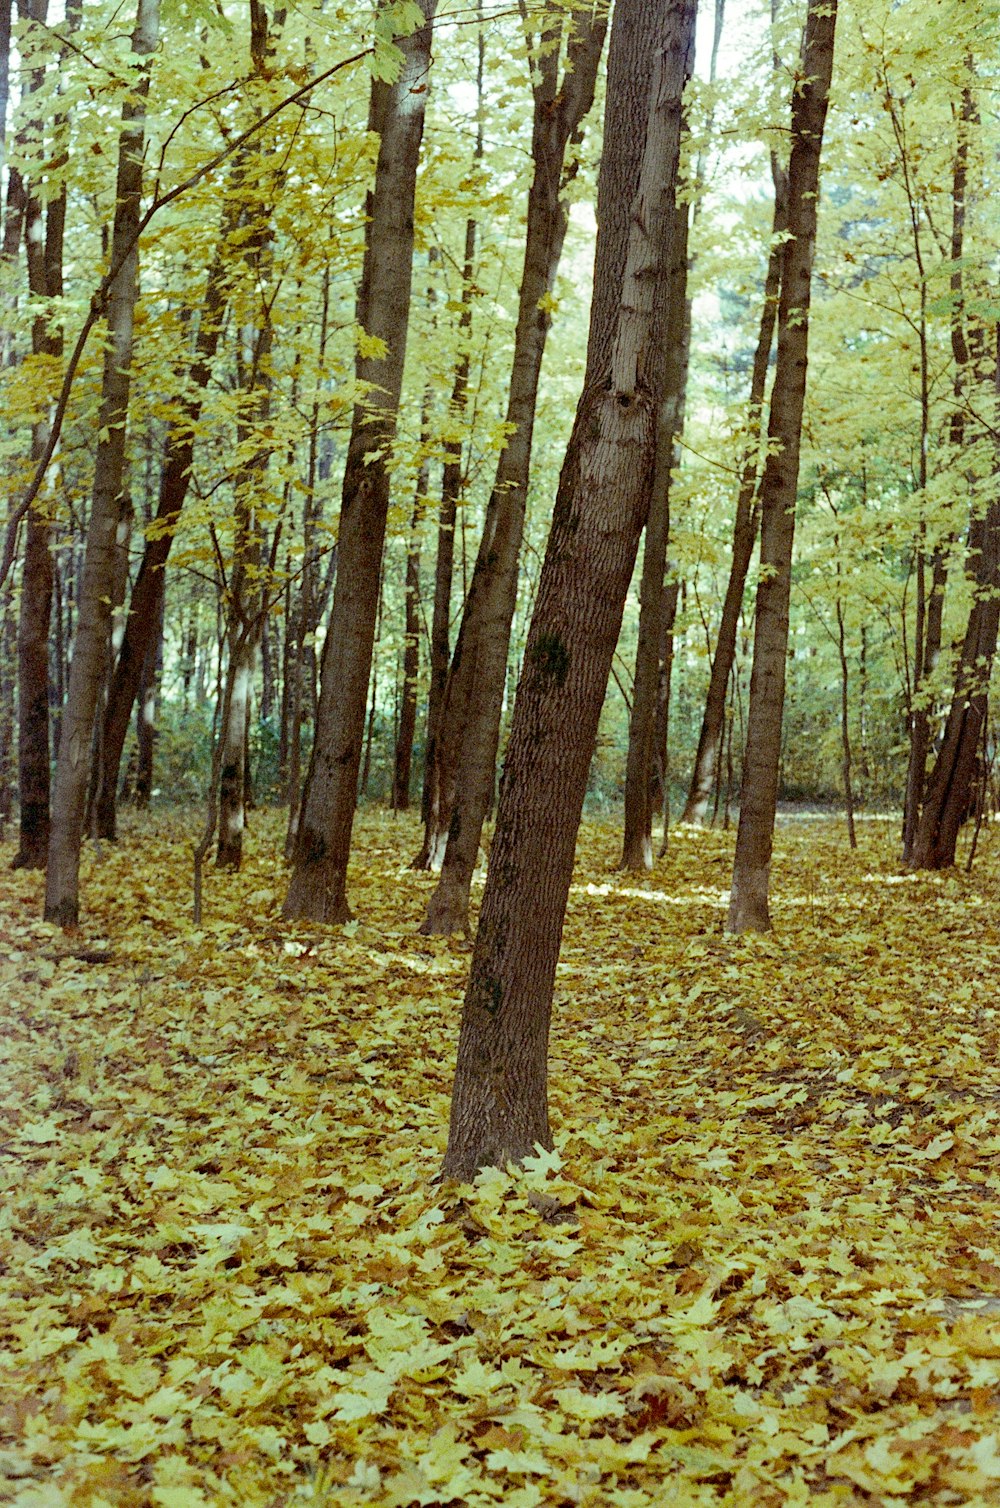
point(43, 244)
point(948, 790)
point(411, 654)
point(145, 604)
point(93, 622)
point(499, 1106)
point(471, 721)
point(748, 905)
point(930, 612)
point(146, 714)
point(637, 843)
point(318, 888)
point(744, 526)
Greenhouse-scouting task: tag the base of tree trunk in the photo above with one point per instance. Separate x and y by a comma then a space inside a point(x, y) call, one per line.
point(33, 850)
point(431, 855)
point(468, 1155)
point(311, 899)
point(65, 914)
point(696, 812)
point(229, 856)
point(447, 912)
point(748, 910)
point(637, 857)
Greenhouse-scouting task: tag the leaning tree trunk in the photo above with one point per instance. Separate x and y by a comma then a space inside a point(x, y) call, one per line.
point(470, 730)
point(930, 616)
point(946, 800)
point(637, 843)
point(748, 909)
point(499, 1106)
point(318, 888)
point(94, 617)
point(744, 526)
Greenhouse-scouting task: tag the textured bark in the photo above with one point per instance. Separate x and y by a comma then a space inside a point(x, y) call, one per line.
point(661, 734)
point(748, 905)
point(637, 842)
point(411, 654)
point(145, 729)
point(43, 245)
point(245, 605)
point(499, 1105)
point(949, 789)
point(471, 721)
point(318, 887)
point(145, 604)
point(93, 622)
point(929, 625)
point(744, 527)
point(298, 640)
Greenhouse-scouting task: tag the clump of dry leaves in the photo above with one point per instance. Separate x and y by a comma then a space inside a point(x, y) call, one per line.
point(762, 1267)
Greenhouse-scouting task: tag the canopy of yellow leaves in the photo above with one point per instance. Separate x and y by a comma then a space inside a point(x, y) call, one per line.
point(762, 1267)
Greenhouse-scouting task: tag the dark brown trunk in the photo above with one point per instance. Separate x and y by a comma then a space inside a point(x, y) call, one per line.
point(146, 715)
point(146, 602)
point(93, 622)
point(929, 623)
point(439, 754)
point(43, 245)
point(499, 1107)
point(318, 888)
point(748, 905)
point(474, 701)
point(637, 843)
point(947, 798)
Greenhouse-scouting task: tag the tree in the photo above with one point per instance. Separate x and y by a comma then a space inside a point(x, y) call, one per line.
point(93, 625)
point(470, 722)
point(499, 1104)
point(748, 909)
point(745, 526)
point(318, 887)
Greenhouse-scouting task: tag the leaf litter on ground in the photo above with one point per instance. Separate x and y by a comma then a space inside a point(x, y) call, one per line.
point(762, 1265)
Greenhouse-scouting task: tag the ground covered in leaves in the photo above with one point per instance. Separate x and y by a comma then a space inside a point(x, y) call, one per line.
point(762, 1267)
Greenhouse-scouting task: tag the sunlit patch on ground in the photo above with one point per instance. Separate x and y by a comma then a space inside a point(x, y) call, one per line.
point(762, 1267)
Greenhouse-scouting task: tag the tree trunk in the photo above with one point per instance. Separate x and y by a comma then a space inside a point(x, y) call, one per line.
point(411, 654)
point(744, 527)
point(499, 1106)
point(438, 754)
point(471, 723)
point(93, 622)
point(145, 605)
point(318, 888)
point(661, 736)
point(43, 244)
point(948, 790)
point(748, 908)
point(930, 614)
point(146, 719)
point(637, 844)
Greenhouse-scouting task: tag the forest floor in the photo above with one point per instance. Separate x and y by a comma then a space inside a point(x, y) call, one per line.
point(764, 1267)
